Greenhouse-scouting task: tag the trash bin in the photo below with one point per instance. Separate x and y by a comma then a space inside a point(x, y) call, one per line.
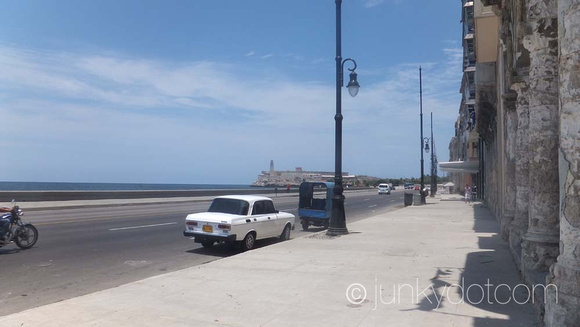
point(408, 199)
point(417, 199)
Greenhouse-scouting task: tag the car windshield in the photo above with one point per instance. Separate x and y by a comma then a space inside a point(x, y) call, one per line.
point(231, 206)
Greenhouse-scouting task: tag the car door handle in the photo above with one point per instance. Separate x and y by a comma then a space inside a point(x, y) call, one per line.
point(268, 217)
point(255, 219)
point(248, 221)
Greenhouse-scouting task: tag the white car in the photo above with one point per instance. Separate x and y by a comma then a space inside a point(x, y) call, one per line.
point(239, 219)
point(384, 188)
point(409, 186)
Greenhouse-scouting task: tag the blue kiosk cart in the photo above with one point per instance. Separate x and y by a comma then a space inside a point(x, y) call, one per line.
point(315, 204)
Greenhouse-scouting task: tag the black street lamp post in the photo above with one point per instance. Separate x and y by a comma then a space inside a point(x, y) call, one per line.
point(433, 189)
point(425, 145)
point(337, 225)
point(424, 140)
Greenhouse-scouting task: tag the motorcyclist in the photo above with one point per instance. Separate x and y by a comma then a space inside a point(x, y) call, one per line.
point(5, 220)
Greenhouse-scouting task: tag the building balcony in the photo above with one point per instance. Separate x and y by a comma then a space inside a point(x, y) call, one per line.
point(469, 63)
point(490, 2)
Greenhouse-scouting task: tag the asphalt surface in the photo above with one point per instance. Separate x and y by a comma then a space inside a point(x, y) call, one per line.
point(81, 251)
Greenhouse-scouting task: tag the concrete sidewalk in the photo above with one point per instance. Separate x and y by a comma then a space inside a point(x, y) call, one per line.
point(403, 268)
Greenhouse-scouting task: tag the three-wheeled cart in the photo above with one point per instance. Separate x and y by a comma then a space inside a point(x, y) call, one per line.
point(315, 204)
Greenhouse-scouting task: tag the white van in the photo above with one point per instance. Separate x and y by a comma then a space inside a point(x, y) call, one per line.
point(384, 188)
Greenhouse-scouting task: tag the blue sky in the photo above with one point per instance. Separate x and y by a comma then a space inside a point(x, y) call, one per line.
point(210, 91)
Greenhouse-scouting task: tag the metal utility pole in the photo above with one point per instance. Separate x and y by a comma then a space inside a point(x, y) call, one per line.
point(337, 224)
point(423, 201)
point(433, 164)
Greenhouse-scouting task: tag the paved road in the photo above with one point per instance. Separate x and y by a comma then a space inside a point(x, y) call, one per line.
point(81, 251)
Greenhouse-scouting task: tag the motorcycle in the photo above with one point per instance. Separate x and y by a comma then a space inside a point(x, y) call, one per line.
point(23, 234)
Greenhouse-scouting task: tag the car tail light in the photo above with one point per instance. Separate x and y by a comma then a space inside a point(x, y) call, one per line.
point(224, 226)
point(191, 223)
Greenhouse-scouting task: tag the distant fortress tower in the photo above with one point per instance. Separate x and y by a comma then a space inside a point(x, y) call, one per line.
point(283, 178)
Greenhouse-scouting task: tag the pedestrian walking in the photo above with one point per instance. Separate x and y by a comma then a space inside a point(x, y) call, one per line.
point(467, 193)
point(474, 193)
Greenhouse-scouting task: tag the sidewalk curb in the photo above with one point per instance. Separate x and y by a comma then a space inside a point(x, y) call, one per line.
point(98, 205)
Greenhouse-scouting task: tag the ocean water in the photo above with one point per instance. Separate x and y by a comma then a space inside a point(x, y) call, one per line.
point(47, 186)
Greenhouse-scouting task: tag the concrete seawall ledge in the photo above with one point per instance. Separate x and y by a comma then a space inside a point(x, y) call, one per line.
point(27, 196)
point(114, 202)
point(35, 196)
point(80, 204)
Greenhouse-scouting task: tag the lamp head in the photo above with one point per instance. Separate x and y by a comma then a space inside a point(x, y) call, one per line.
point(353, 85)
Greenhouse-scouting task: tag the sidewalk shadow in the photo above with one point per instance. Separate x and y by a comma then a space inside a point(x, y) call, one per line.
point(489, 268)
point(453, 199)
point(220, 251)
point(484, 270)
point(223, 250)
point(314, 229)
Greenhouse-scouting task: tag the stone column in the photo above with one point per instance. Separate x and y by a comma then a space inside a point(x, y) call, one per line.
point(519, 224)
point(510, 190)
point(540, 247)
point(563, 306)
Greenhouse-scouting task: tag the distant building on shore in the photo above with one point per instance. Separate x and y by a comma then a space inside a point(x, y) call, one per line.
point(282, 178)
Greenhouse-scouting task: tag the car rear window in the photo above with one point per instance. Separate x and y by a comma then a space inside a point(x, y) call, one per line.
point(231, 206)
point(269, 207)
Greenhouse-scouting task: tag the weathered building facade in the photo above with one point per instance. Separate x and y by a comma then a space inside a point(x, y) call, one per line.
point(527, 109)
point(463, 147)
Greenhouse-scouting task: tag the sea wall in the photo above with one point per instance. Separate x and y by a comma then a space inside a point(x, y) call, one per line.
point(35, 196)
point(30, 196)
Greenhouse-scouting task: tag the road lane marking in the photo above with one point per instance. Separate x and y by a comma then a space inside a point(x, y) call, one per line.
point(143, 226)
point(366, 199)
point(374, 205)
point(82, 220)
point(392, 200)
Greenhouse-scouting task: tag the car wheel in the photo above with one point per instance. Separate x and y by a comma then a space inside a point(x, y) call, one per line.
point(207, 244)
point(304, 225)
point(248, 242)
point(285, 233)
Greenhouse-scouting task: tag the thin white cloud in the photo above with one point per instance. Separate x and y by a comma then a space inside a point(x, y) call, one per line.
point(267, 56)
point(318, 61)
point(126, 107)
point(294, 56)
point(249, 54)
point(372, 3)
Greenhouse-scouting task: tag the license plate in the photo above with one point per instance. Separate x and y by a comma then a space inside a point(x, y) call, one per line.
point(207, 228)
